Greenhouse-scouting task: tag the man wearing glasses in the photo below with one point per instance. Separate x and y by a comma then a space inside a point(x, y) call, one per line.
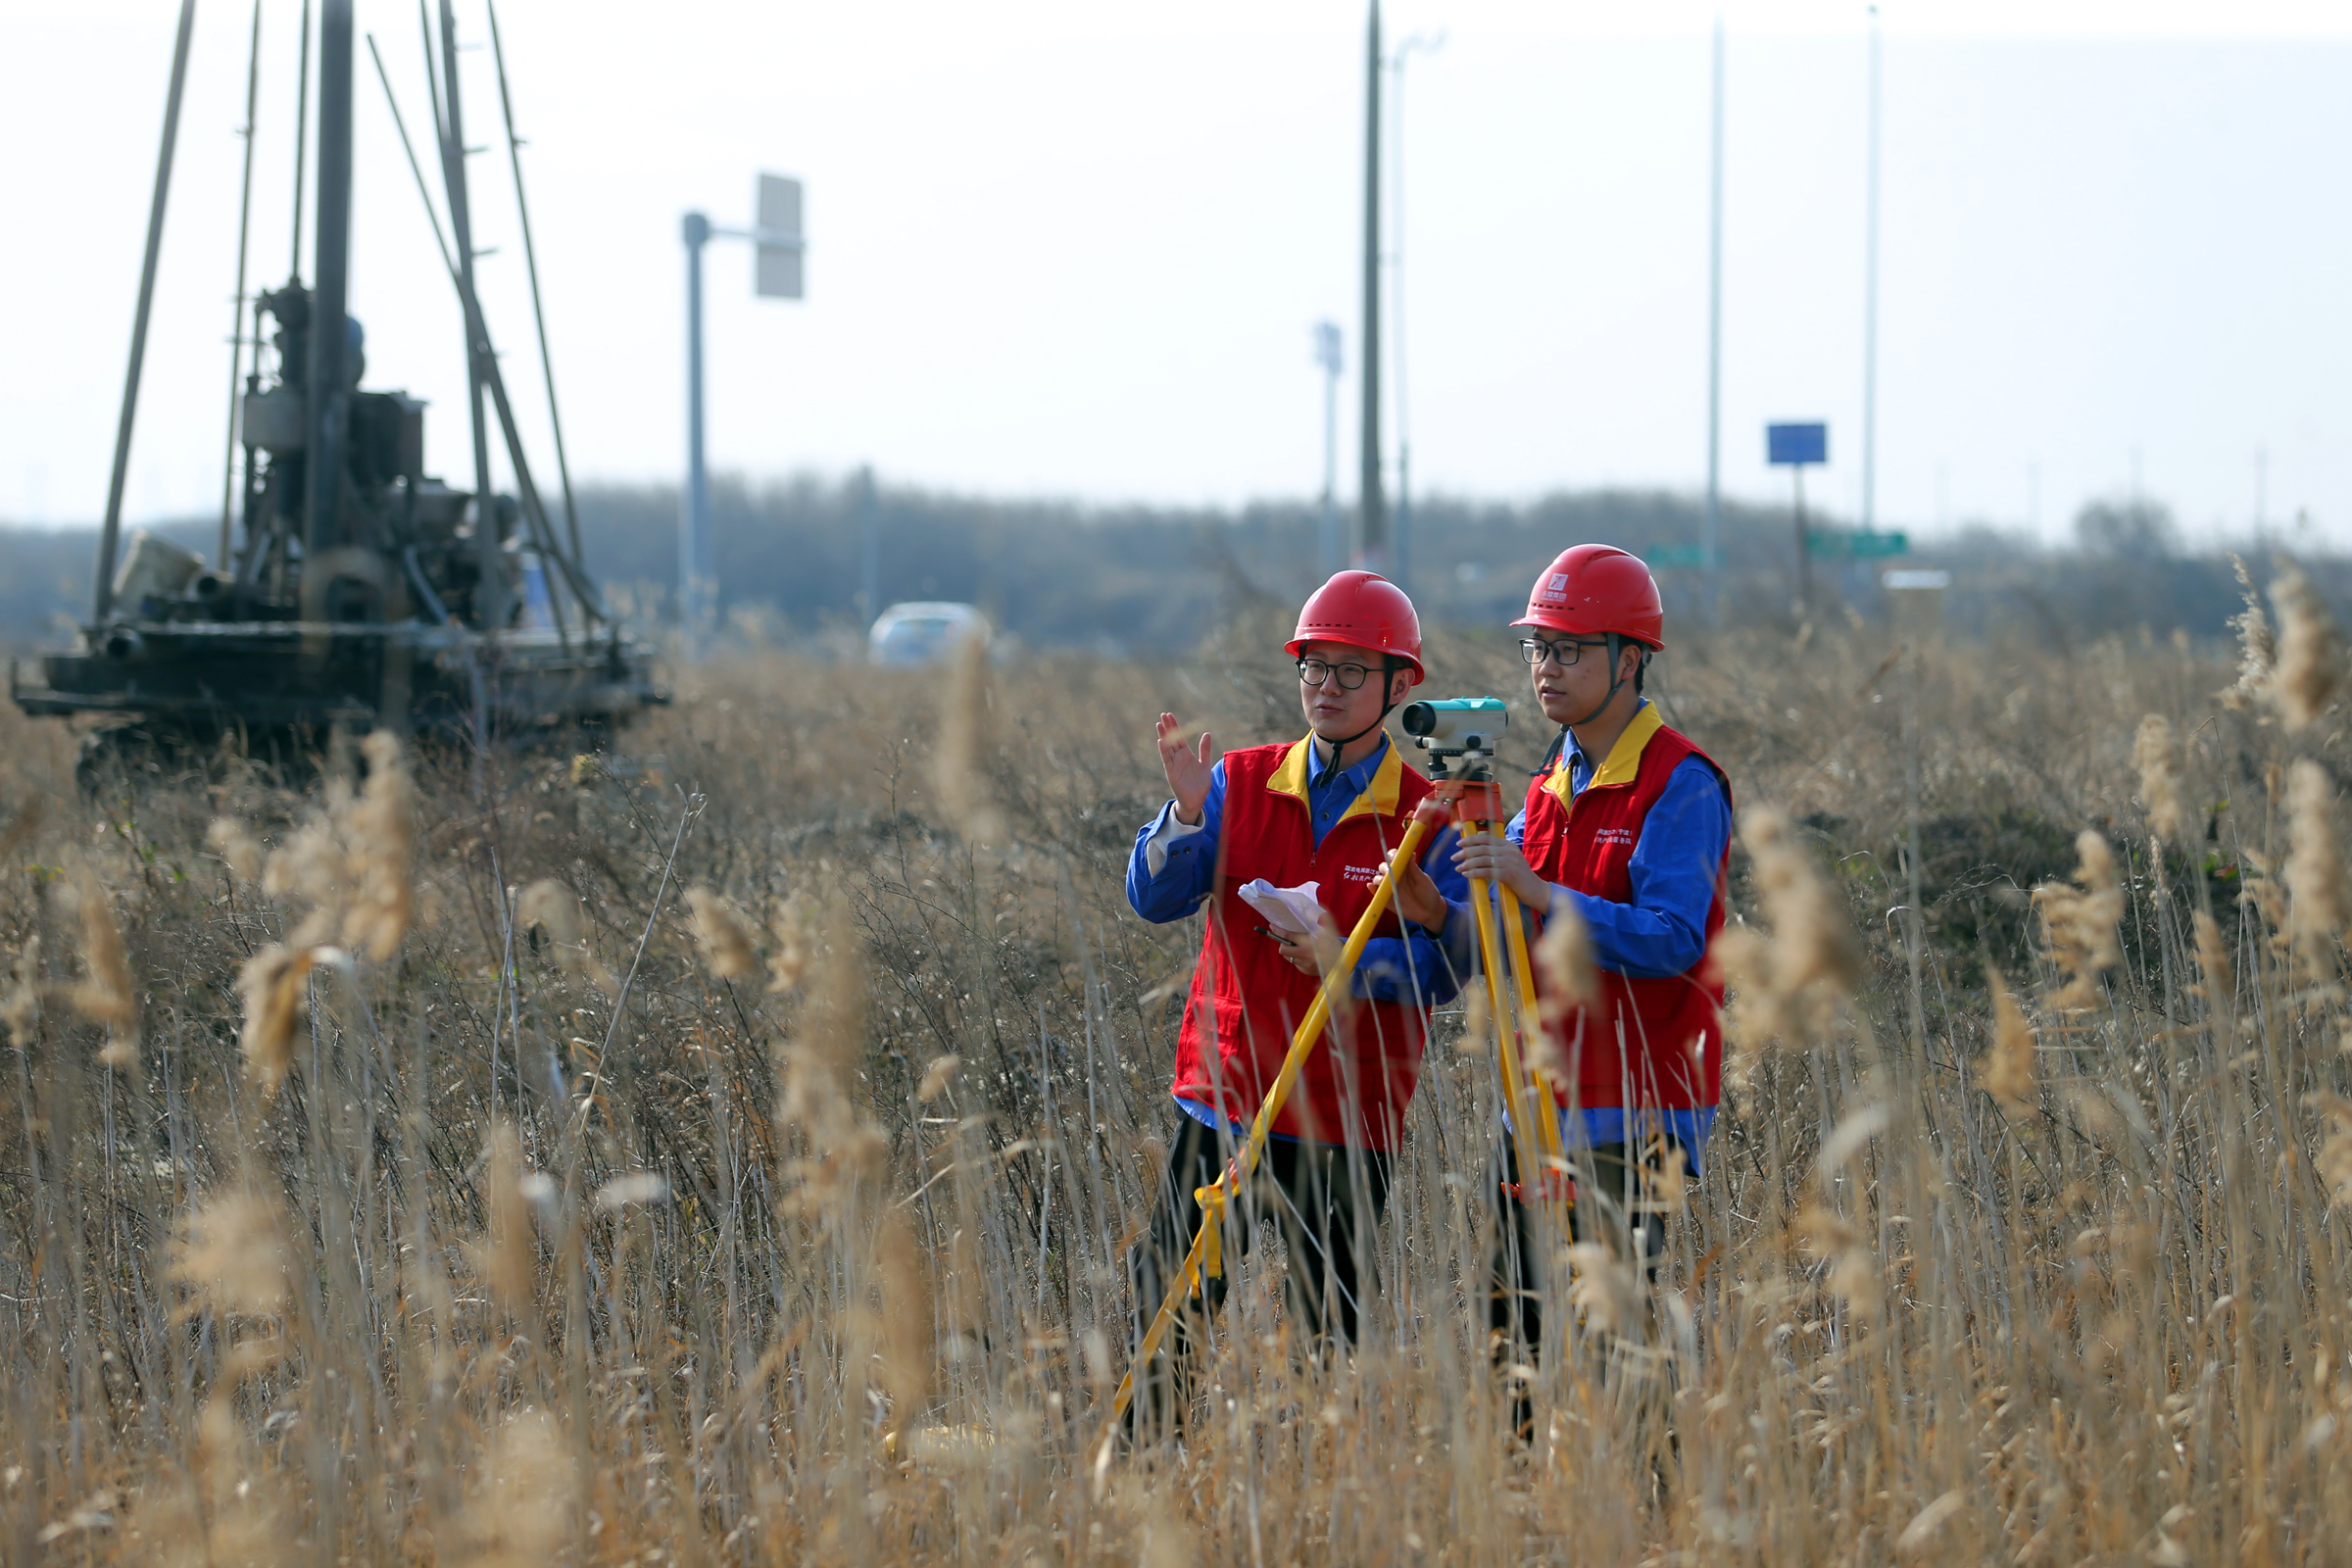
point(1324, 809)
point(1628, 824)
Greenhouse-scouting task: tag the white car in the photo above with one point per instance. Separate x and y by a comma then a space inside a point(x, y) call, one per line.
point(923, 632)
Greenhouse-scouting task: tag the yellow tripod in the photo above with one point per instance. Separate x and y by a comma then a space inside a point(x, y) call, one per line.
point(1475, 801)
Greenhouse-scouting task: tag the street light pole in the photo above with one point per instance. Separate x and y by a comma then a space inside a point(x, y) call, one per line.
point(778, 251)
point(1327, 355)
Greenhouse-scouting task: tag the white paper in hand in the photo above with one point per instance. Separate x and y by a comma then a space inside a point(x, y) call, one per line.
point(1292, 912)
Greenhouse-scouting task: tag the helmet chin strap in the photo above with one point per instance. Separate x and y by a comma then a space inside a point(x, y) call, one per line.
point(1616, 681)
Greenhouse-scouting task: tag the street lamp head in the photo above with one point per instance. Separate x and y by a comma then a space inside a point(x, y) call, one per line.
point(694, 228)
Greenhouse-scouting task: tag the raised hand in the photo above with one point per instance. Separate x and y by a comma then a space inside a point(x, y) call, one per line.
point(1188, 768)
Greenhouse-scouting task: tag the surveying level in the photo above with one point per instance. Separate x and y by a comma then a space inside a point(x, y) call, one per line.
point(1455, 727)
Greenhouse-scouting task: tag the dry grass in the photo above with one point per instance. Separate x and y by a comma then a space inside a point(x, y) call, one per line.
point(732, 1163)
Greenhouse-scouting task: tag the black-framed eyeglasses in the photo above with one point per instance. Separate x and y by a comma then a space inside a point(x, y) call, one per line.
point(1536, 650)
point(1314, 671)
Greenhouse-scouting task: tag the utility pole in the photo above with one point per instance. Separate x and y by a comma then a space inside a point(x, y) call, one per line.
point(1711, 548)
point(1334, 551)
point(1371, 551)
point(1401, 553)
point(1870, 302)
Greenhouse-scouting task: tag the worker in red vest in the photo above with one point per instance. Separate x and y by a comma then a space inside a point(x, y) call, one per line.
point(1325, 809)
point(1629, 823)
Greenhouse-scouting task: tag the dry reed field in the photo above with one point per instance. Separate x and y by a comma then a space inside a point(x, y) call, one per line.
point(725, 1153)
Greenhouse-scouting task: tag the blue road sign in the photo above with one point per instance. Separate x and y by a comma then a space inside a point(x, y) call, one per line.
point(1785, 445)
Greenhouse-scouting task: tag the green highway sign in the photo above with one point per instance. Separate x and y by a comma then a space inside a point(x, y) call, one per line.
point(1676, 556)
point(1855, 543)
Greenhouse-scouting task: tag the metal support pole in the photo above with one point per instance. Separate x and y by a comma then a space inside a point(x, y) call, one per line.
point(330, 369)
point(694, 517)
point(111, 540)
point(1804, 560)
point(1711, 548)
point(530, 257)
point(1371, 551)
point(490, 589)
point(236, 313)
point(1870, 302)
point(869, 529)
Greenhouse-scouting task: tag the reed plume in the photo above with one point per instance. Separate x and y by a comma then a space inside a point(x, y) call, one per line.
point(2007, 1070)
point(2258, 649)
point(273, 983)
point(2216, 976)
point(1788, 985)
point(2310, 650)
point(937, 1077)
point(230, 1251)
point(2155, 756)
point(105, 994)
point(2313, 872)
point(722, 935)
point(1602, 1288)
point(381, 831)
point(2079, 922)
point(788, 923)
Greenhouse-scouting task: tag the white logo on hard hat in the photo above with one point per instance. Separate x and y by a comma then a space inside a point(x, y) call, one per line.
point(1559, 582)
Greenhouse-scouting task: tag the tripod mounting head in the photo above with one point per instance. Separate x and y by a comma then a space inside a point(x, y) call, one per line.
point(1457, 733)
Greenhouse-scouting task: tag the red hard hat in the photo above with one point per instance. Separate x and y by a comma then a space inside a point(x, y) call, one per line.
point(1363, 610)
point(1594, 590)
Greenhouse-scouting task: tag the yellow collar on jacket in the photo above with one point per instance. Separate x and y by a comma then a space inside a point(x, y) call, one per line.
point(1378, 800)
point(1625, 757)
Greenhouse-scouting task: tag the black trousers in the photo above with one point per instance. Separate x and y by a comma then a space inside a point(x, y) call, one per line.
point(1324, 1200)
point(1605, 1180)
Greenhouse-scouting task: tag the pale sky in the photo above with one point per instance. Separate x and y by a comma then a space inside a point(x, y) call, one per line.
point(1074, 247)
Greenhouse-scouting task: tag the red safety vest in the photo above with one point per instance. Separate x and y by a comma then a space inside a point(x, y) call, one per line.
point(1644, 1044)
point(1246, 1000)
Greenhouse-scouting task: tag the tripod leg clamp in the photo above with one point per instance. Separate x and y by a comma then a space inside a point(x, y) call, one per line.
point(1212, 1200)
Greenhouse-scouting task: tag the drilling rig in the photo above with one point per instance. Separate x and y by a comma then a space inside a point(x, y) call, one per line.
point(352, 589)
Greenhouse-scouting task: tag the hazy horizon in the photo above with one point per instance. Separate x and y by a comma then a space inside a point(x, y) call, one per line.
point(1069, 255)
